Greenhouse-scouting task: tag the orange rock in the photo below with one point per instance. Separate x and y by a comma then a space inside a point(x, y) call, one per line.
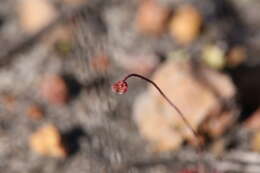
point(34, 112)
point(185, 25)
point(35, 14)
point(152, 17)
point(54, 89)
point(47, 141)
point(158, 122)
point(184, 90)
point(236, 56)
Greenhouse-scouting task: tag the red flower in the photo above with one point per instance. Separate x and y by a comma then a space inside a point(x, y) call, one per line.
point(120, 87)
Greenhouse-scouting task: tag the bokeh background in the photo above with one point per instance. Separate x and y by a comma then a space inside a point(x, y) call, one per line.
point(59, 58)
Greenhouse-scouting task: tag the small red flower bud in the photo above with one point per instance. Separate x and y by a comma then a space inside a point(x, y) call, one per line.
point(120, 87)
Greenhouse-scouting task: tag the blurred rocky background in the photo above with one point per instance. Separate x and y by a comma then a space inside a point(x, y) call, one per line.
point(58, 59)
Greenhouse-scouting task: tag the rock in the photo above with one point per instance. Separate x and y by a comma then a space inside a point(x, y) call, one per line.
point(53, 88)
point(185, 25)
point(236, 56)
point(151, 17)
point(35, 14)
point(159, 122)
point(255, 141)
point(47, 141)
point(253, 122)
point(34, 112)
point(214, 56)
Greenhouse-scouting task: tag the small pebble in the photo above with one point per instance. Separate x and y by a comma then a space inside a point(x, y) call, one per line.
point(185, 25)
point(54, 89)
point(47, 141)
point(34, 112)
point(214, 56)
point(236, 56)
point(35, 15)
point(152, 17)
